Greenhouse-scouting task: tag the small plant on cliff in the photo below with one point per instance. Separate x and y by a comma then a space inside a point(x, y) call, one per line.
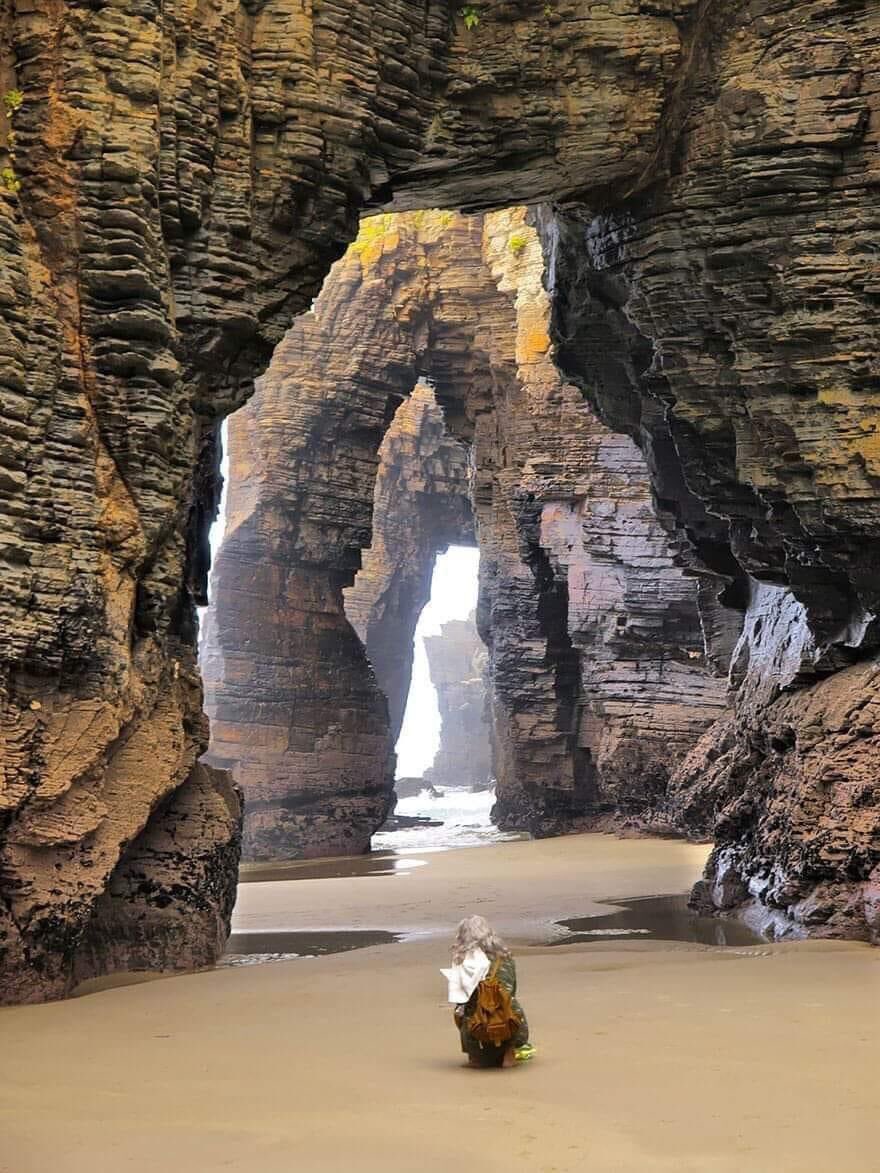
point(12, 99)
point(470, 14)
point(517, 243)
point(9, 181)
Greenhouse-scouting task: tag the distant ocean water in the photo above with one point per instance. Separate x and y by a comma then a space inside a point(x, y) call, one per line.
point(465, 817)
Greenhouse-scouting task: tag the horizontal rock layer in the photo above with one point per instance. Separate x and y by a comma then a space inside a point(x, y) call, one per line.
point(595, 666)
point(184, 176)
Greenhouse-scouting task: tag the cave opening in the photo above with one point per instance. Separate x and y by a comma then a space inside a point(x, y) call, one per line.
point(415, 409)
point(444, 782)
point(413, 604)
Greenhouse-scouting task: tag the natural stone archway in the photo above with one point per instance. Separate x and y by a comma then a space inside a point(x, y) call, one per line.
point(296, 711)
point(185, 177)
point(421, 506)
point(593, 699)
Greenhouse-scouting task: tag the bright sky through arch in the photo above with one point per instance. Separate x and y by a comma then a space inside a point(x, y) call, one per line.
point(453, 596)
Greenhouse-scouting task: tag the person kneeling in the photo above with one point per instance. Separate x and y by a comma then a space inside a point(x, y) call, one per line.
point(482, 987)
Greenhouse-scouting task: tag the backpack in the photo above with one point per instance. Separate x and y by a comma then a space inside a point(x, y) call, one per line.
point(493, 1019)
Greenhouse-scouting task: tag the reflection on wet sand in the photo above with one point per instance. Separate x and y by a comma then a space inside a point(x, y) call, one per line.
point(659, 918)
point(652, 1058)
point(386, 863)
point(254, 948)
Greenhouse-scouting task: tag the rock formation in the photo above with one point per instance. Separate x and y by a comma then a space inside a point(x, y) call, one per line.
point(421, 506)
point(630, 683)
point(728, 321)
point(595, 666)
point(457, 663)
point(177, 186)
point(295, 706)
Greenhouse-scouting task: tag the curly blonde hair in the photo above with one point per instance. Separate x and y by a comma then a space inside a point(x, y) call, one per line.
point(475, 932)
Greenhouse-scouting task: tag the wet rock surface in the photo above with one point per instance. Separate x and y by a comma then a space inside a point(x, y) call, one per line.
point(182, 182)
point(596, 675)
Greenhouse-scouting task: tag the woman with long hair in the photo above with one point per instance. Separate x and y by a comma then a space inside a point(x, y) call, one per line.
point(482, 987)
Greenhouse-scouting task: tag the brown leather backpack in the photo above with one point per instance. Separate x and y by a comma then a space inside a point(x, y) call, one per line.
point(493, 1019)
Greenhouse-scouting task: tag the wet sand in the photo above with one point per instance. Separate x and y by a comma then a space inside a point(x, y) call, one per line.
point(651, 1056)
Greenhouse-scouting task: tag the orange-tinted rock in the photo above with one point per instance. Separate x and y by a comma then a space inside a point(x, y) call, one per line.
point(185, 179)
point(588, 713)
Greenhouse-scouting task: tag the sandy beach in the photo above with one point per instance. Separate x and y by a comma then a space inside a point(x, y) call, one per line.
point(651, 1056)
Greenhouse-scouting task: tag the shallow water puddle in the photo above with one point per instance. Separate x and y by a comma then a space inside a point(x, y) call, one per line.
point(345, 867)
point(256, 948)
point(658, 918)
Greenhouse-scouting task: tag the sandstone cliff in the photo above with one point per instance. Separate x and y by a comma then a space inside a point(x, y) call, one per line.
point(595, 667)
point(183, 177)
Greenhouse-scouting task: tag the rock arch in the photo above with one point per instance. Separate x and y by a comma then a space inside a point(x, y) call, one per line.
point(421, 507)
point(598, 682)
point(185, 178)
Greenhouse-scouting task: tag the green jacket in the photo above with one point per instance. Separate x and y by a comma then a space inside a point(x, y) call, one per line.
point(506, 975)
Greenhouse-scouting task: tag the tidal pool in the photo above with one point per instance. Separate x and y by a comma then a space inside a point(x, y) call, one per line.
point(256, 948)
point(657, 918)
point(387, 863)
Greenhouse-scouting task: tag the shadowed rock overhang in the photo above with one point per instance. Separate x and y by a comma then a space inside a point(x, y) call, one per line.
point(181, 183)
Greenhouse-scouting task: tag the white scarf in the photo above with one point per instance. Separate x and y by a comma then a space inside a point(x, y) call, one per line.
point(466, 976)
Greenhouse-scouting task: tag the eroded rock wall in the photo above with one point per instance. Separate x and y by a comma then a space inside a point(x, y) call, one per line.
point(727, 319)
point(421, 506)
point(171, 205)
point(457, 661)
point(597, 677)
point(624, 626)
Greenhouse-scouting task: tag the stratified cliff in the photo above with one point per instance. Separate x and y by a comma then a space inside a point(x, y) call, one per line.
point(596, 674)
point(727, 319)
point(457, 663)
point(421, 506)
point(295, 705)
point(178, 182)
point(631, 685)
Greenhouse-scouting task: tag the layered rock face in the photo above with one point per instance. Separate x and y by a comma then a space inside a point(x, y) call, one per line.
point(457, 663)
point(182, 179)
point(623, 623)
point(296, 711)
point(728, 320)
point(421, 506)
point(595, 667)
